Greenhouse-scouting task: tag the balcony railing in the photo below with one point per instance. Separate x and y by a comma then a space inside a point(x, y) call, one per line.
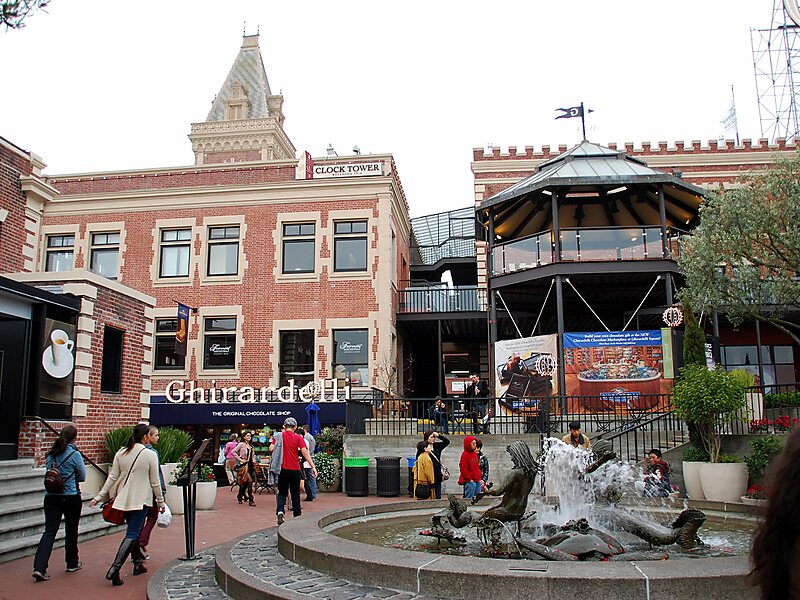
point(583, 245)
point(428, 300)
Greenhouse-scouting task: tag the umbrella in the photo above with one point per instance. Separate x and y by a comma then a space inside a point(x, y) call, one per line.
point(313, 419)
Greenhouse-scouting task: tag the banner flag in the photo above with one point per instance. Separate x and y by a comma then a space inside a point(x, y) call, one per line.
point(182, 332)
point(569, 113)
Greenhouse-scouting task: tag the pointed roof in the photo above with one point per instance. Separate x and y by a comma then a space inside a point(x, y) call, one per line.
point(248, 71)
point(589, 164)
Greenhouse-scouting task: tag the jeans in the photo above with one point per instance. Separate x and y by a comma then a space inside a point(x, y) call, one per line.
point(472, 489)
point(287, 480)
point(440, 420)
point(135, 519)
point(311, 484)
point(56, 505)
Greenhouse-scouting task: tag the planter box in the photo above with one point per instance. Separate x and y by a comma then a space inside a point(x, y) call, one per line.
point(175, 499)
point(724, 482)
point(691, 480)
point(753, 501)
point(206, 495)
point(94, 479)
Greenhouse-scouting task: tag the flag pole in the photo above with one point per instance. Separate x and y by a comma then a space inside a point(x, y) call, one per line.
point(583, 122)
point(735, 120)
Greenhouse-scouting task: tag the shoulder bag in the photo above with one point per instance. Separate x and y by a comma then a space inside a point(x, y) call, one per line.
point(445, 470)
point(53, 482)
point(114, 515)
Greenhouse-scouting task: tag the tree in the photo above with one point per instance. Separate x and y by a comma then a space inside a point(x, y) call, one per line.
point(694, 340)
point(744, 258)
point(14, 12)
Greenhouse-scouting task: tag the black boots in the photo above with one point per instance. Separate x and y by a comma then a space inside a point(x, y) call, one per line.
point(123, 551)
point(138, 560)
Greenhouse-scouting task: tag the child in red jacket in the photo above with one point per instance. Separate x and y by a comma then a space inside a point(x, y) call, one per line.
point(470, 468)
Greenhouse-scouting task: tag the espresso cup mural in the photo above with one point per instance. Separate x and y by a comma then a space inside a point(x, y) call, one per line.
point(57, 359)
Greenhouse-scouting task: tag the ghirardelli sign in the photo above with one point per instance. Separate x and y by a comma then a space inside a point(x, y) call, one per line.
point(188, 392)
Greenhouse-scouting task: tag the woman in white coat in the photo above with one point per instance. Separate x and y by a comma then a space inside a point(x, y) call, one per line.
point(132, 483)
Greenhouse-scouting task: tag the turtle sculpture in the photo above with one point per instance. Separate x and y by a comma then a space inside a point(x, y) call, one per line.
point(578, 541)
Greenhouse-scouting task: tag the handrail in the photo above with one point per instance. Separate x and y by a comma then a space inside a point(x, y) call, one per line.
point(85, 458)
point(634, 426)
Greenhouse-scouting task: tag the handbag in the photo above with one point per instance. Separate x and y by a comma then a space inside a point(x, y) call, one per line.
point(445, 470)
point(422, 491)
point(243, 475)
point(115, 515)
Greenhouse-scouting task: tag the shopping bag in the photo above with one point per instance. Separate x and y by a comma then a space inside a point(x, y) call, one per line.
point(164, 518)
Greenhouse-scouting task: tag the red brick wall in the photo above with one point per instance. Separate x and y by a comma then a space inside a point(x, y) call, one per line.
point(12, 198)
point(210, 158)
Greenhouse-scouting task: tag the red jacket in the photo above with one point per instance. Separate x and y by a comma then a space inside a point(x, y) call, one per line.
point(469, 465)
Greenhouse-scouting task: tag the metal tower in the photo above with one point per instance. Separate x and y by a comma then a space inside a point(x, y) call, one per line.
point(776, 62)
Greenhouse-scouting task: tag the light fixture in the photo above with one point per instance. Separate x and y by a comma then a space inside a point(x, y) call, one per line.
point(583, 195)
point(547, 192)
point(633, 239)
point(622, 188)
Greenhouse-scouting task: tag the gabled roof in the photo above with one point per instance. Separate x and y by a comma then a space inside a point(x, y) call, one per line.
point(588, 164)
point(248, 71)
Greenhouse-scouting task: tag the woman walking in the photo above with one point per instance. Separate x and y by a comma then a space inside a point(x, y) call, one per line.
point(132, 483)
point(65, 457)
point(423, 472)
point(230, 459)
point(244, 455)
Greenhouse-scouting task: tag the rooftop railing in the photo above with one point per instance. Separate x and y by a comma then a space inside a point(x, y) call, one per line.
point(436, 299)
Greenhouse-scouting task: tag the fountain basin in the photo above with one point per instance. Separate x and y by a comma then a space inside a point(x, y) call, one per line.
point(311, 542)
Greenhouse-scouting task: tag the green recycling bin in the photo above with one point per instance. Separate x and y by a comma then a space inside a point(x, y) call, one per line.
point(356, 475)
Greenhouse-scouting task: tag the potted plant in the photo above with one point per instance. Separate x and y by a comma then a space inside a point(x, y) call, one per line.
point(755, 496)
point(114, 440)
point(172, 445)
point(174, 496)
point(692, 459)
point(329, 472)
point(707, 399)
point(206, 488)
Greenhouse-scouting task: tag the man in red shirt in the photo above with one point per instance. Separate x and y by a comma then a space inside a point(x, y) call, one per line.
point(286, 447)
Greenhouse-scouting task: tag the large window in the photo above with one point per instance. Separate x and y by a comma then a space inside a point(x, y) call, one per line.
point(165, 357)
point(777, 362)
point(175, 250)
point(60, 253)
point(223, 250)
point(350, 246)
point(297, 357)
point(219, 343)
point(298, 248)
point(351, 355)
point(105, 254)
point(111, 371)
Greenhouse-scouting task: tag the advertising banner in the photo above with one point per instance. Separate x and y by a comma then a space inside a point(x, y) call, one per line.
point(525, 372)
point(611, 370)
point(58, 363)
point(182, 333)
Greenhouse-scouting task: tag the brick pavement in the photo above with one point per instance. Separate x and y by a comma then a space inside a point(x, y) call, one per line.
point(227, 521)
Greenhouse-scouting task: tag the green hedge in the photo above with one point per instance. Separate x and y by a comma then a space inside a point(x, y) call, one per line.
point(781, 400)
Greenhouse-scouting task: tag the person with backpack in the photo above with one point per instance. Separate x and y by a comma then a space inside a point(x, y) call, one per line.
point(62, 496)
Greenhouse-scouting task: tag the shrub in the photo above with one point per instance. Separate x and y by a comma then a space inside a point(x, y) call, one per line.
point(756, 492)
point(781, 400)
point(706, 399)
point(729, 458)
point(172, 444)
point(765, 448)
point(116, 439)
point(206, 474)
point(331, 440)
point(328, 468)
point(693, 454)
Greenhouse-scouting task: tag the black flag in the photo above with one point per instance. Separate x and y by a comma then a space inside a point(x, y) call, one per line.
point(182, 332)
point(572, 111)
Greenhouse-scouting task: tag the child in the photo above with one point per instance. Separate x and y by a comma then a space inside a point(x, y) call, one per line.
point(483, 462)
point(469, 467)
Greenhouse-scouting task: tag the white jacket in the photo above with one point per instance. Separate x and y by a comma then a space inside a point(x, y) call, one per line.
point(142, 484)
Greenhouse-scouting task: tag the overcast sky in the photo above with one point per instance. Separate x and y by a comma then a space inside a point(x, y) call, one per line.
point(102, 85)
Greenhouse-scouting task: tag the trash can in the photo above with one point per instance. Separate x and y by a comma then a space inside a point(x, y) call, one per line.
point(411, 460)
point(356, 475)
point(388, 475)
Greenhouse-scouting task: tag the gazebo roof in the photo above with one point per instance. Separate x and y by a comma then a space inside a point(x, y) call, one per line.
point(599, 182)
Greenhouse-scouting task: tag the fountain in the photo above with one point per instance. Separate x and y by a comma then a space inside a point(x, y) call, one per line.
point(586, 532)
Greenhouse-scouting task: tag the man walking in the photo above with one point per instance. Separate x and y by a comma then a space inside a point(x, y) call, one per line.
point(311, 481)
point(285, 461)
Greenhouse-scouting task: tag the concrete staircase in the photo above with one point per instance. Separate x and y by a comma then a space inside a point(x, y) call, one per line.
point(22, 515)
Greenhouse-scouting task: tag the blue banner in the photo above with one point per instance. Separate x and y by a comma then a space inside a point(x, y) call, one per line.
point(600, 339)
point(266, 413)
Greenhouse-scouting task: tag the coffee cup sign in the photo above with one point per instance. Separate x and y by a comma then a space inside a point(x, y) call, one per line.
point(61, 347)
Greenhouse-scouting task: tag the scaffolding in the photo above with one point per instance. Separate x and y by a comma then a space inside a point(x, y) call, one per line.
point(776, 60)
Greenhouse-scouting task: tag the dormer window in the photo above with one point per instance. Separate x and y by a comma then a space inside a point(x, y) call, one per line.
point(237, 106)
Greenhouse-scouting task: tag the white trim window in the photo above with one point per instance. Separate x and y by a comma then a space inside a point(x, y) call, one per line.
point(350, 246)
point(104, 254)
point(60, 252)
point(165, 356)
point(175, 253)
point(219, 343)
point(223, 250)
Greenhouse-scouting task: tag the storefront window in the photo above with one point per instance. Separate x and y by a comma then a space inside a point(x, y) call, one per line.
point(165, 357)
point(777, 362)
point(297, 357)
point(351, 356)
point(220, 343)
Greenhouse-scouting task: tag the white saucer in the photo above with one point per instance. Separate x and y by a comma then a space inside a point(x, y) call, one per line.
point(60, 371)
